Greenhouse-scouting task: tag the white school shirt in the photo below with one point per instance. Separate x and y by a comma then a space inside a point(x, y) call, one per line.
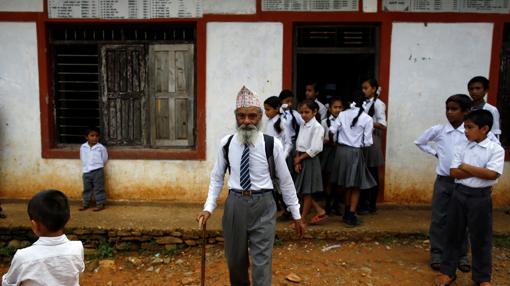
point(324, 124)
point(259, 172)
point(323, 110)
point(495, 117)
point(283, 136)
point(486, 154)
point(379, 110)
point(445, 137)
point(93, 158)
point(310, 138)
point(287, 117)
point(51, 261)
point(360, 135)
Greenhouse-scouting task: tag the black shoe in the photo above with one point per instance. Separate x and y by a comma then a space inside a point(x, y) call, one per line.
point(83, 208)
point(436, 266)
point(464, 267)
point(353, 221)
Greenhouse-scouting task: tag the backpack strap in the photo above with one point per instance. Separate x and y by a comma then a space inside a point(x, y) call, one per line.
point(269, 143)
point(225, 153)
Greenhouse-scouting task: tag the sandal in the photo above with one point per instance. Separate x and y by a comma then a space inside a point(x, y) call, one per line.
point(318, 218)
point(484, 284)
point(444, 280)
point(2, 215)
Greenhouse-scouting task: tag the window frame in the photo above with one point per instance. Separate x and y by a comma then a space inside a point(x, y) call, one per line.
point(50, 147)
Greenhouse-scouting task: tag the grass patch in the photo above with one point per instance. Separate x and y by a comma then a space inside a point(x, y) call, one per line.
point(502, 241)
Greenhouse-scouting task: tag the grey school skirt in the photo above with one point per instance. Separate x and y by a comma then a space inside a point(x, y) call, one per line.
point(327, 158)
point(309, 180)
point(373, 154)
point(350, 169)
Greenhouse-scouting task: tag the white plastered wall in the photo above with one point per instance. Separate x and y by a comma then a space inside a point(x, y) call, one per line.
point(429, 62)
point(233, 59)
point(21, 5)
point(230, 7)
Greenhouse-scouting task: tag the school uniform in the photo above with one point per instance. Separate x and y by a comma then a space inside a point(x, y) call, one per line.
point(495, 115)
point(351, 170)
point(49, 261)
point(250, 220)
point(471, 207)
point(292, 120)
point(323, 110)
point(327, 156)
point(445, 137)
point(93, 160)
point(310, 140)
point(284, 135)
point(373, 153)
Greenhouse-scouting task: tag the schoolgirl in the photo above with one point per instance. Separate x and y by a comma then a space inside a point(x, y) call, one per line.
point(306, 161)
point(376, 109)
point(292, 120)
point(327, 156)
point(353, 131)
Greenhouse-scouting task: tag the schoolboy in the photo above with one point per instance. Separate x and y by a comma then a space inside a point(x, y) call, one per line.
point(478, 88)
point(312, 93)
point(52, 259)
point(93, 157)
point(445, 137)
point(476, 167)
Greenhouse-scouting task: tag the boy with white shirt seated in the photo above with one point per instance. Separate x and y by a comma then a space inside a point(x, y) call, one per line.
point(476, 167)
point(52, 259)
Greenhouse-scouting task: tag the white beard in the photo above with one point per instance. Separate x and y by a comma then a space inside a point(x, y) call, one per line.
point(247, 134)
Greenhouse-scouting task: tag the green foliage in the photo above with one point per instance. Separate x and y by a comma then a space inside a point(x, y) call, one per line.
point(104, 250)
point(7, 251)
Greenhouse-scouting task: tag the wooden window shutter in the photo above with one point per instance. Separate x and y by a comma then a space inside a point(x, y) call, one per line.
point(172, 96)
point(123, 98)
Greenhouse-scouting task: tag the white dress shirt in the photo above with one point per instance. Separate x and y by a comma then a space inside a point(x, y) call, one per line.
point(287, 117)
point(310, 138)
point(259, 172)
point(92, 158)
point(379, 110)
point(51, 261)
point(486, 154)
point(445, 137)
point(324, 124)
point(283, 136)
point(495, 116)
point(360, 135)
point(323, 110)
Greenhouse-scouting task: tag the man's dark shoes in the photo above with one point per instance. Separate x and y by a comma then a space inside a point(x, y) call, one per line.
point(435, 266)
point(83, 208)
point(99, 208)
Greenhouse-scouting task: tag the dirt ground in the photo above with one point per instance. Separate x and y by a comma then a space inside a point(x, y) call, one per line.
point(392, 262)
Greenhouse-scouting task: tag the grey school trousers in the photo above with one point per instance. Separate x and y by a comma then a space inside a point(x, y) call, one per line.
point(249, 229)
point(471, 207)
point(93, 182)
point(443, 190)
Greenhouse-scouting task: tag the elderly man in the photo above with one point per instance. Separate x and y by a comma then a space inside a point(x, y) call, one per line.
point(249, 216)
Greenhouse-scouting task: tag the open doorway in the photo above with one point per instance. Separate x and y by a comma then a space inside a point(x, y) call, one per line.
point(337, 57)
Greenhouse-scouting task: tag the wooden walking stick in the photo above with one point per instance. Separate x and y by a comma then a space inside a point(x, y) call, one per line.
point(204, 242)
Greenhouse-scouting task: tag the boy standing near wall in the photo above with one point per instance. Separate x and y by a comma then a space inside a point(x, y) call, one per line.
point(476, 167)
point(52, 259)
point(93, 157)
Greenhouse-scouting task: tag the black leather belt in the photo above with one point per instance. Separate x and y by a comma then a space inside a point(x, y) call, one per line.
point(249, 193)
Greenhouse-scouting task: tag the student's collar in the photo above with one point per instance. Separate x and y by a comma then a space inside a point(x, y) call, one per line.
point(484, 143)
point(479, 106)
point(275, 118)
point(51, 241)
point(310, 122)
point(450, 128)
point(331, 117)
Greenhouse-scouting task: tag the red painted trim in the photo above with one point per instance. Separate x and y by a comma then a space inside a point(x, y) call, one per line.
point(19, 16)
point(287, 61)
point(201, 50)
point(497, 45)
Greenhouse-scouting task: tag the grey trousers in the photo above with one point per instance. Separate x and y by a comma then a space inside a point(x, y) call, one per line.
point(443, 190)
point(471, 207)
point(93, 182)
point(249, 229)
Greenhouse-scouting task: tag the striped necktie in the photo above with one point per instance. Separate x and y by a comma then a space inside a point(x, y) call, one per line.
point(245, 169)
